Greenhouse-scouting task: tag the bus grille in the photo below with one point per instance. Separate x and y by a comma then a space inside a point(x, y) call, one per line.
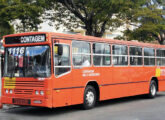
point(23, 91)
point(13, 84)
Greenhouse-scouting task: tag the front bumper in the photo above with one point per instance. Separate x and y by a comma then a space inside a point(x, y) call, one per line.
point(27, 101)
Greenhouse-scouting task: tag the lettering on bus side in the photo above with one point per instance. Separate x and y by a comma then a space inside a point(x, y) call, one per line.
point(160, 72)
point(89, 73)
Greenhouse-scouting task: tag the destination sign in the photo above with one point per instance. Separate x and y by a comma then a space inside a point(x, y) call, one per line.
point(25, 39)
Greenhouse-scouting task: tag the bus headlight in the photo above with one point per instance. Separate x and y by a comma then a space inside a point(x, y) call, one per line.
point(37, 92)
point(7, 91)
point(41, 92)
point(10, 91)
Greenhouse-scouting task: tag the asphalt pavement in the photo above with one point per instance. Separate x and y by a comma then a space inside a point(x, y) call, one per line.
point(130, 108)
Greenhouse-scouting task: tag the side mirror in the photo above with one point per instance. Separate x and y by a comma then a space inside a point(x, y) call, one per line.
point(60, 49)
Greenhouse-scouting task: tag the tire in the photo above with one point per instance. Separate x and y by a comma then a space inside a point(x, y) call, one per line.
point(153, 89)
point(89, 97)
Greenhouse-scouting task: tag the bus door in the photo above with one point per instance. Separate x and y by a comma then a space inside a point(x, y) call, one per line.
point(82, 69)
point(106, 73)
point(62, 70)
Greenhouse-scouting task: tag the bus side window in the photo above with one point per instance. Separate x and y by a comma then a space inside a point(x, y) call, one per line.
point(149, 56)
point(120, 55)
point(101, 54)
point(61, 59)
point(136, 58)
point(160, 55)
point(81, 54)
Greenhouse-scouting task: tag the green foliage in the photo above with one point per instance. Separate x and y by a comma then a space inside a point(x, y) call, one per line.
point(95, 16)
point(149, 21)
point(6, 16)
point(5, 28)
point(26, 12)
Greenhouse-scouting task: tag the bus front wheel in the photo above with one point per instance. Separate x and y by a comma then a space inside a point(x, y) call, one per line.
point(152, 89)
point(89, 97)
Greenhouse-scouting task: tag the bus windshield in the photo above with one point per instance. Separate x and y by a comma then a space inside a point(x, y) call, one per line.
point(32, 61)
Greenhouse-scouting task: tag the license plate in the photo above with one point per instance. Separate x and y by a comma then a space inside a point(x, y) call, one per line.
point(18, 101)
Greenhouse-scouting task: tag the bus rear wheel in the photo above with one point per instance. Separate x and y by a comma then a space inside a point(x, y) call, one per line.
point(152, 89)
point(89, 97)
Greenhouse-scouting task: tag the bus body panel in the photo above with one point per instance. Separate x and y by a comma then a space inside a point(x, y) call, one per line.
point(161, 80)
point(62, 91)
point(161, 85)
point(106, 79)
point(25, 88)
point(68, 89)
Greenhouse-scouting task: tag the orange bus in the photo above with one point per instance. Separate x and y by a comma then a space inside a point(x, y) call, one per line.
point(54, 69)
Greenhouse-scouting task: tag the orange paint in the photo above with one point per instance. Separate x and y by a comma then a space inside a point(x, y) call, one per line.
point(68, 89)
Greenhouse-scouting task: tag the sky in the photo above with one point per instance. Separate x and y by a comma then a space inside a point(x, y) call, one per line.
point(46, 28)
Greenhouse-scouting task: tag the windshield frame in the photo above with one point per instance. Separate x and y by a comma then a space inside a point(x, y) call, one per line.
point(25, 47)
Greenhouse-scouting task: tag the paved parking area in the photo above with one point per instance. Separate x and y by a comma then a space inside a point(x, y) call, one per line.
point(130, 108)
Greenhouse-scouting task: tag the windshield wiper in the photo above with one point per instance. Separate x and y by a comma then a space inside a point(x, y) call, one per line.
point(35, 75)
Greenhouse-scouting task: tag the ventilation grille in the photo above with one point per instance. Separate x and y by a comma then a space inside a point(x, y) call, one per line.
point(23, 91)
point(13, 84)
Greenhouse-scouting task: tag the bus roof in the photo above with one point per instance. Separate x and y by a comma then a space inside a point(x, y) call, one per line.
point(96, 39)
point(88, 38)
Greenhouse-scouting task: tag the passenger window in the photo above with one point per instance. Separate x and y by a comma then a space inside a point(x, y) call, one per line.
point(160, 57)
point(101, 54)
point(61, 59)
point(136, 57)
point(149, 56)
point(120, 55)
point(81, 54)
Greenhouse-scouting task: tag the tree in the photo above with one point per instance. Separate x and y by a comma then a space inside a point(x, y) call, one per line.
point(27, 12)
point(149, 22)
point(5, 28)
point(95, 16)
point(6, 16)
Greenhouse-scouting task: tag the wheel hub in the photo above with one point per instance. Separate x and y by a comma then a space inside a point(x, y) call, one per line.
point(153, 89)
point(90, 97)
